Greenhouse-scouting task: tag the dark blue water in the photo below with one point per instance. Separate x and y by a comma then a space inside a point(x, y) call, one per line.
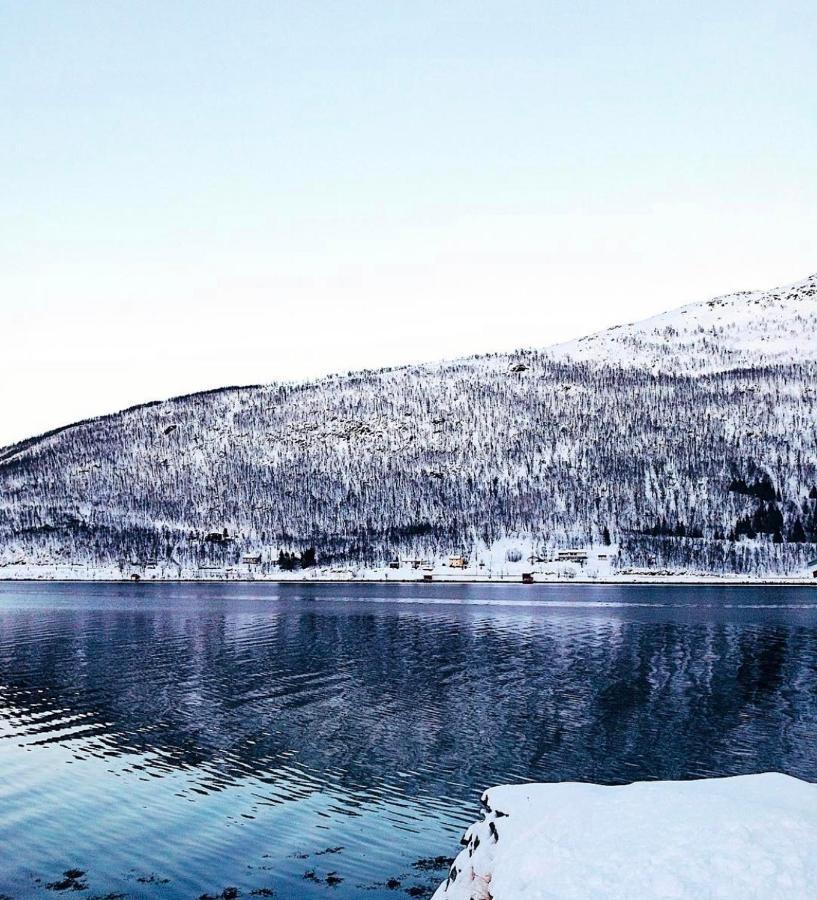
point(171, 741)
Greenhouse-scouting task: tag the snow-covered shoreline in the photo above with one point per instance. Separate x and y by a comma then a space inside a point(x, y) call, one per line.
point(735, 838)
point(503, 562)
point(646, 581)
point(379, 576)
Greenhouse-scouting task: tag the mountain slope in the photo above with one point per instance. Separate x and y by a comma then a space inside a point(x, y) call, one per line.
point(688, 439)
point(750, 328)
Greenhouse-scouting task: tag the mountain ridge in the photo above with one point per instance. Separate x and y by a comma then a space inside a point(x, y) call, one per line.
point(574, 350)
point(700, 324)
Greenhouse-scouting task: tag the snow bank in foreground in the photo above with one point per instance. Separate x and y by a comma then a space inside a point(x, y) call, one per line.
point(749, 836)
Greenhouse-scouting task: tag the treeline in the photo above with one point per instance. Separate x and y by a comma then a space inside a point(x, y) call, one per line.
point(287, 561)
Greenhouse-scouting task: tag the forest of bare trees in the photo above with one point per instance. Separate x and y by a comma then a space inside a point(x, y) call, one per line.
point(712, 472)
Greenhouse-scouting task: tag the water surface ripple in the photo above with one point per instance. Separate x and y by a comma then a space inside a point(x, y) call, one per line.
point(317, 741)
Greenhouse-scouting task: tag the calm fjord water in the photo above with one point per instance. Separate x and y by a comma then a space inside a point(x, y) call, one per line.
point(173, 740)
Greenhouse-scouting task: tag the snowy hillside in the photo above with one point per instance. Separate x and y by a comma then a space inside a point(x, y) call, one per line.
point(687, 443)
point(744, 329)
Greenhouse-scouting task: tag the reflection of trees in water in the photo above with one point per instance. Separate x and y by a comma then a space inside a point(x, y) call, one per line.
point(453, 702)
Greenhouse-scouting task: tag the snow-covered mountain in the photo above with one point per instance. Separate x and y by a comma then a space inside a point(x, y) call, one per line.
point(750, 328)
point(688, 440)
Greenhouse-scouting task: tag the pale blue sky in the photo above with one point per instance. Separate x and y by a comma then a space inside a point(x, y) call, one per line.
point(199, 193)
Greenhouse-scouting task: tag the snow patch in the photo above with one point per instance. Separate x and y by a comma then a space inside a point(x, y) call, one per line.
point(731, 838)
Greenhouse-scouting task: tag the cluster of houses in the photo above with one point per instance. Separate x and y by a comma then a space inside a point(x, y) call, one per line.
point(461, 562)
point(454, 562)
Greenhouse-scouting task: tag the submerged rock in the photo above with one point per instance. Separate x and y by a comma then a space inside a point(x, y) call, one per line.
point(152, 878)
point(72, 880)
point(432, 863)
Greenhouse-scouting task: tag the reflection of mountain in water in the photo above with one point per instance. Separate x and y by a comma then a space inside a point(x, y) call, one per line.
point(452, 700)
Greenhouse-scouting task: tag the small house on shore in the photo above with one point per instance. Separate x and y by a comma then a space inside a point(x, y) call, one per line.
point(572, 555)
